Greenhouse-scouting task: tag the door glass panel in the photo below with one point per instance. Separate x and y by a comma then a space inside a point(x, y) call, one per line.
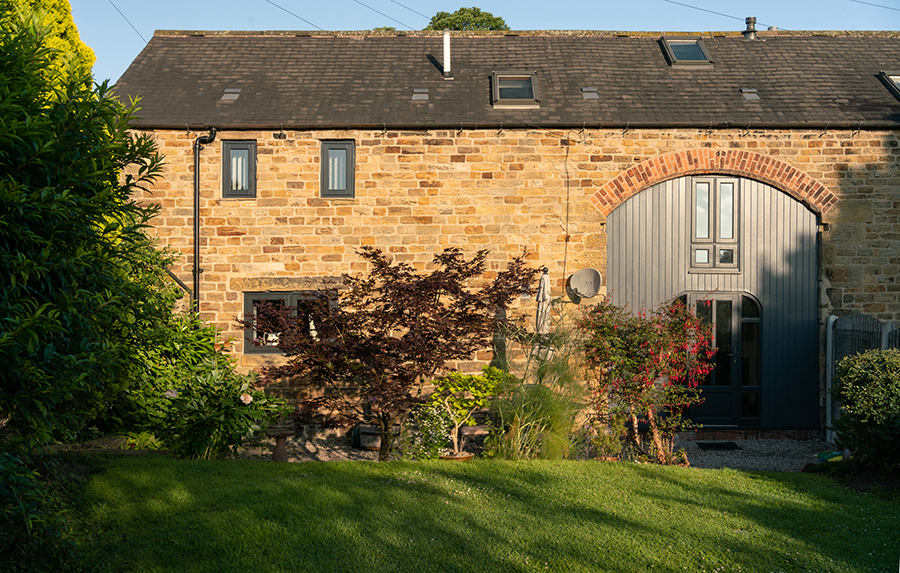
point(749, 405)
point(726, 256)
point(704, 311)
point(726, 211)
point(723, 342)
point(701, 256)
point(749, 308)
point(701, 231)
point(750, 354)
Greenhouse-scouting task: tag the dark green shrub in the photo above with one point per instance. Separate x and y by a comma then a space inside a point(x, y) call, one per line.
point(34, 531)
point(180, 349)
point(81, 283)
point(868, 389)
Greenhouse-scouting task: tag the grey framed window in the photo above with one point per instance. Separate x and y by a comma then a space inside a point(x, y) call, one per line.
point(891, 80)
point(714, 224)
point(262, 310)
point(687, 52)
point(338, 168)
point(515, 90)
point(239, 169)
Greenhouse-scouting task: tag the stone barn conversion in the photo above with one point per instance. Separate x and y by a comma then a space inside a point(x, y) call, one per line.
point(754, 175)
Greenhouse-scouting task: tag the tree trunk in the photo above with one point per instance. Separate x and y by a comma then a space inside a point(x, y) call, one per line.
point(635, 433)
point(385, 425)
point(661, 454)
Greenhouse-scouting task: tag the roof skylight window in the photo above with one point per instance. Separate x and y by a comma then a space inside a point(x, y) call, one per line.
point(686, 53)
point(231, 94)
point(892, 81)
point(589, 93)
point(750, 94)
point(515, 90)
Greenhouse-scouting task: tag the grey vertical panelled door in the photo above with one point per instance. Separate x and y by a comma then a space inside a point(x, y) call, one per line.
point(745, 253)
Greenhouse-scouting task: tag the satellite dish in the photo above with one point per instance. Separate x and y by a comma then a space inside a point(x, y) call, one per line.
point(585, 283)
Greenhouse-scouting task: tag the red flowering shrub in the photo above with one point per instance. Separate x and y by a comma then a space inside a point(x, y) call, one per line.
point(645, 368)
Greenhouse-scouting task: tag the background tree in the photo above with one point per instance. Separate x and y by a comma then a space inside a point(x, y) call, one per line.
point(60, 32)
point(466, 19)
point(365, 357)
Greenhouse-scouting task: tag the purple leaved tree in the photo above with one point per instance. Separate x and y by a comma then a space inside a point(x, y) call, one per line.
point(363, 352)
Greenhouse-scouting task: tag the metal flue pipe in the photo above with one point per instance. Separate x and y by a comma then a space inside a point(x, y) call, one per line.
point(198, 145)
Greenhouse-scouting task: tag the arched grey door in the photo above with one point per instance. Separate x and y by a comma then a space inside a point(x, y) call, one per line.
point(750, 252)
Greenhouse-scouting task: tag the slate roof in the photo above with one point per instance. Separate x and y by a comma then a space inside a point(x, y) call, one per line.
point(301, 80)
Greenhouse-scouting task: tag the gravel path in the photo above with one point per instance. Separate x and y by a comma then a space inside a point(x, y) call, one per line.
point(784, 455)
point(761, 455)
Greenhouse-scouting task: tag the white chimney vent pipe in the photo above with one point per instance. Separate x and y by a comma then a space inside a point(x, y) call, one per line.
point(447, 74)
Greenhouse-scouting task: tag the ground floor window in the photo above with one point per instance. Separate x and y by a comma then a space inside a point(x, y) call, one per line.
point(273, 315)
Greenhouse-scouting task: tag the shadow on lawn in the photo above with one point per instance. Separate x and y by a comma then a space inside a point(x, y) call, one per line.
point(531, 516)
point(808, 520)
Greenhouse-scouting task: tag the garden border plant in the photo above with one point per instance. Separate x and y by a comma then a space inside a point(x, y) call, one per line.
point(646, 366)
point(534, 412)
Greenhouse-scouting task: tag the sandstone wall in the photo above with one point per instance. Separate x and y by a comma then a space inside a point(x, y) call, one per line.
point(547, 190)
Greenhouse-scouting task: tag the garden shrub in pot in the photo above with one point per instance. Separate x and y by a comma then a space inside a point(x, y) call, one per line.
point(458, 396)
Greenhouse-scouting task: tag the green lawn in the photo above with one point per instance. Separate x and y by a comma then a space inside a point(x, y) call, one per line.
point(163, 515)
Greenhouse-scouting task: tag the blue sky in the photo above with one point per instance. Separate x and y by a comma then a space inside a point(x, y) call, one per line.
point(116, 43)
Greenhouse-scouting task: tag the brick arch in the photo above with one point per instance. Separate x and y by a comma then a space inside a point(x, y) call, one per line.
point(711, 161)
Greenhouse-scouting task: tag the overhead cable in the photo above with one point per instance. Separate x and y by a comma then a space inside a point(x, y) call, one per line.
point(411, 10)
point(294, 15)
point(713, 12)
point(407, 26)
point(876, 5)
point(129, 23)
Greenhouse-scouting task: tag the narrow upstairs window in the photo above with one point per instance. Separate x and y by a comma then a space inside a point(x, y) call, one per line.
point(338, 167)
point(238, 169)
point(714, 230)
